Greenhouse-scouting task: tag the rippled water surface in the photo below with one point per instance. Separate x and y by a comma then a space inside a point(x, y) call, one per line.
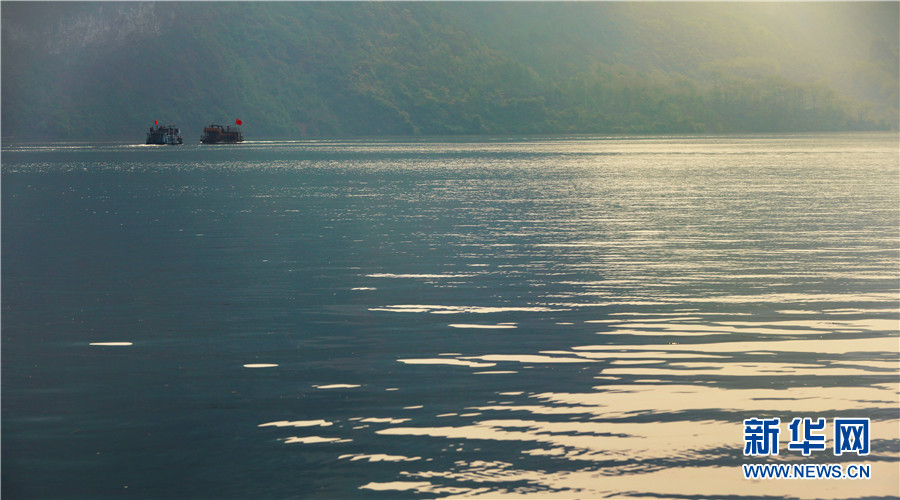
point(563, 317)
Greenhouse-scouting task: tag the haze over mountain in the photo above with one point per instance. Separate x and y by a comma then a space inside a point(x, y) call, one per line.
point(107, 70)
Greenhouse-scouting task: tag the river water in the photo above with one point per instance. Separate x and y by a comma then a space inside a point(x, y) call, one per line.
point(566, 317)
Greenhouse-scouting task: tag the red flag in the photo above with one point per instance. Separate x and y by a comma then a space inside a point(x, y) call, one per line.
point(238, 121)
point(155, 122)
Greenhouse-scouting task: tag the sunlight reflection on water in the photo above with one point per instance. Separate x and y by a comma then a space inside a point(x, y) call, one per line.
point(551, 317)
point(662, 414)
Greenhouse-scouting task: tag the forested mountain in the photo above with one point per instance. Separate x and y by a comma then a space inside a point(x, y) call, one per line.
point(107, 70)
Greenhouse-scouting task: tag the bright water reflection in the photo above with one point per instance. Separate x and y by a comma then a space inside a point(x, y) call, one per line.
point(557, 318)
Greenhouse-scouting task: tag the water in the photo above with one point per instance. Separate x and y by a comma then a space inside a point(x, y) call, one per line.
point(560, 317)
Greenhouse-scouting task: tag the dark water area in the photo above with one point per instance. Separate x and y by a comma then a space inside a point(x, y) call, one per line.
point(580, 317)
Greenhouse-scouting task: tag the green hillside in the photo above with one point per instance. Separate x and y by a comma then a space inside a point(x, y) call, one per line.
point(107, 70)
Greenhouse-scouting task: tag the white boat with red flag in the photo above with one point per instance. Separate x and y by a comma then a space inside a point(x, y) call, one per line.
point(164, 134)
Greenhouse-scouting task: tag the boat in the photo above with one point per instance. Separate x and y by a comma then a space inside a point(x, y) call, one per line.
point(164, 134)
point(217, 134)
